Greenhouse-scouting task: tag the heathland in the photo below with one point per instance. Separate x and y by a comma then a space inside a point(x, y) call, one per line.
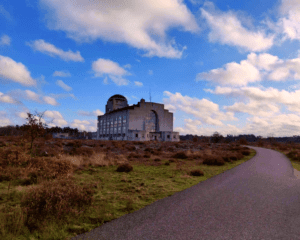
point(67, 187)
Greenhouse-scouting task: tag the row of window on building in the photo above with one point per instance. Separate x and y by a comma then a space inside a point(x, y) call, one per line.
point(112, 120)
point(112, 125)
point(112, 130)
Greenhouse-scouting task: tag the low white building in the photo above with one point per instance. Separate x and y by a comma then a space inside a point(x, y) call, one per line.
point(144, 121)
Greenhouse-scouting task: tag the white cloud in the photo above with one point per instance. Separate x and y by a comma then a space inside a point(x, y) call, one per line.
point(7, 99)
point(50, 100)
point(141, 24)
point(61, 74)
point(5, 122)
point(22, 115)
point(290, 20)
point(89, 126)
point(63, 85)
point(16, 72)
point(53, 114)
point(255, 68)
point(254, 108)
point(270, 95)
point(106, 67)
point(204, 110)
point(139, 84)
point(5, 40)
point(56, 118)
point(232, 74)
point(49, 49)
point(90, 114)
point(32, 96)
point(150, 72)
point(226, 28)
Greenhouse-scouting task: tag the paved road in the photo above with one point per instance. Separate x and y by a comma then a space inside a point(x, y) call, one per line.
point(259, 199)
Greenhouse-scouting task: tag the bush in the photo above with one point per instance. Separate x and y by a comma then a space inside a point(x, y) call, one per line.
point(167, 163)
point(226, 158)
point(2, 144)
point(246, 152)
point(196, 172)
point(146, 156)
point(157, 159)
point(56, 199)
point(83, 151)
point(131, 148)
point(292, 154)
point(170, 149)
point(213, 160)
point(124, 168)
point(180, 155)
point(148, 149)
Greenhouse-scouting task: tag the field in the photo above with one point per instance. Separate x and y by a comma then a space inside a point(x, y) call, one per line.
point(68, 187)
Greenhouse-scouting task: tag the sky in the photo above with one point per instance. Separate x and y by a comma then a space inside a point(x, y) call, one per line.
point(230, 66)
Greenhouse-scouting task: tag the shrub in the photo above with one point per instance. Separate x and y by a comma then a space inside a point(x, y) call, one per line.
point(180, 155)
point(172, 160)
point(83, 151)
point(124, 168)
point(196, 172)
point(246, 152)
point(131, 148)
point(148, 149)
point(56, 199)
point(167, 163)
point(233, 157)
point(134, 155)
point(146, 156)
point(239, 155)
point(170, 149)
point(226, 158)
point(2, 144)
point(157, 159)
point(213, 160)
point(292, 154)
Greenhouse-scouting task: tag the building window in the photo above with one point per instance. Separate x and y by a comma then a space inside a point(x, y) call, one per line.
point(136, 135)
point(124, 129)
point(143, 135)
point(174, 136)
point(119, 129)
point(168, 136)
point(124, 119)
point(120, 119)
point(147, 135)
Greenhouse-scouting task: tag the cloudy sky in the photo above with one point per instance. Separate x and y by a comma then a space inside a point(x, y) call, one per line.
point(230, 66)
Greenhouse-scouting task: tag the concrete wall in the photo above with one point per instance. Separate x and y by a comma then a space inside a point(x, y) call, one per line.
point(138, 117)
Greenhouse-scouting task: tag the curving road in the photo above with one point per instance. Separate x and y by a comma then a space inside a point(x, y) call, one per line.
point(259, 199)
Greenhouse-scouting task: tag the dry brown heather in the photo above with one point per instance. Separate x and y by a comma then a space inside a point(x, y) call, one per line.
point(47, 174)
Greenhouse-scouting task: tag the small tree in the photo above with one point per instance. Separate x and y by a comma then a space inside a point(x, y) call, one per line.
point(216, 137)
point(34, 128)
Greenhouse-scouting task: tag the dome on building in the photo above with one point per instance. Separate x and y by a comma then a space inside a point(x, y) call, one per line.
point(117, 96)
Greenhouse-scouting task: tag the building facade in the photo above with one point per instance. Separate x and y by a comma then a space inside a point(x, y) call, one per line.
point(144, 121)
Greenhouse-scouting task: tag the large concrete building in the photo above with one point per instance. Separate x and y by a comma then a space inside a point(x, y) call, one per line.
point(144, 121)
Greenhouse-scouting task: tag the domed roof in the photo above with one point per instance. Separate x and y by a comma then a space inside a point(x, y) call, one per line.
point(117, 96)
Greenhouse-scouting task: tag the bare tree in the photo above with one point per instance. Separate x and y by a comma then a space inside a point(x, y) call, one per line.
point(34, 128)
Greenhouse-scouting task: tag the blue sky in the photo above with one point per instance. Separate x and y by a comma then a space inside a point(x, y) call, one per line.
point(226, 66)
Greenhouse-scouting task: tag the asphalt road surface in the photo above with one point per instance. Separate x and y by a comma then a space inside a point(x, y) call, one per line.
point(259, 199)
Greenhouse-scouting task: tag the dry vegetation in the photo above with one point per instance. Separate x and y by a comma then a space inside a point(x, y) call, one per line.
point(47, 189)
